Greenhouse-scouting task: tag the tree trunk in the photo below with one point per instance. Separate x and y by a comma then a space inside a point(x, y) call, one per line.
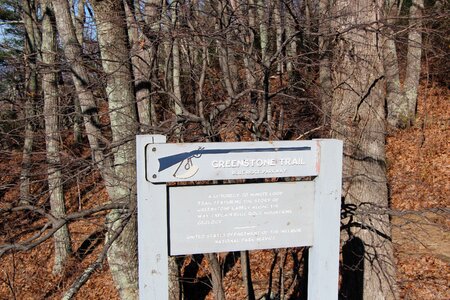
point(174, 284)
point(291, 49)
point(278, 16)
point(141, 63)
point(114, 50)
point(413, 58)
point(264, 107)
point(397, 107)
point(216, 276)
point(325, 81)
point(61, 237)
point(358, 119)
point(401, 103)
point(153, 20)
point(247, 275)
point(78, 22)
point(176, 73)
point(73, 54)
point(30, 56)
point(250, 50)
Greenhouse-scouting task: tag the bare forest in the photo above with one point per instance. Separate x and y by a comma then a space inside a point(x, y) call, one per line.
point(79, 79)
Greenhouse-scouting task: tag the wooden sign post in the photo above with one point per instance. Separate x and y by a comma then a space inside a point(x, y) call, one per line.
point(233, 217)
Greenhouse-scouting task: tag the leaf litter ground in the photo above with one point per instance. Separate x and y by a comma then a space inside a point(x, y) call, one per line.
point(418, 172)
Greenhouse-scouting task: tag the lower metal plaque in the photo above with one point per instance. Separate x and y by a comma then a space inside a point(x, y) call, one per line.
point(236, 217)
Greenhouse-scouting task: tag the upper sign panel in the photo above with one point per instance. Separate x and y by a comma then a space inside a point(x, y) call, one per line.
point(242, 160)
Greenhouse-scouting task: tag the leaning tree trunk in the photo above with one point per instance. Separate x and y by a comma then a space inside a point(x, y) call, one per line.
point(61, 237)
point(78, 23)
point(74, 55)
point(114, 49)
point(358, 119)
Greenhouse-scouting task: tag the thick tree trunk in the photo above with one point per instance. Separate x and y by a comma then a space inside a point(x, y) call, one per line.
point(358, 119)
point(114, 49)
point(61, 237)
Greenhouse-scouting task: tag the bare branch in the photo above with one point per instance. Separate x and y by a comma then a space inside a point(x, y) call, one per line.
point(54, 223)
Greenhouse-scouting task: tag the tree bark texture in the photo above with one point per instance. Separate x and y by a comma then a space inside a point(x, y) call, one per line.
point(291, 49)
point(397, 107)
point(74, 56)
point(30, 56)
point(176, 73)
point(325, 80)
point(141, 58)
point(61, 237)
point(358, 119)
point(114, 50)
point(247, 275)
point(78, 22)
point(216, 276)
point(413, 58)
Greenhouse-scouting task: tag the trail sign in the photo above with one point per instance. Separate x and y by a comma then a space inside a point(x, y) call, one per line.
point(222, 218)
point(217, 161)
point(179, 220)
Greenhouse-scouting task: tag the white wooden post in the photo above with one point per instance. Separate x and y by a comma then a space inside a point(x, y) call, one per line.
point(323, 267)
point(152, 227)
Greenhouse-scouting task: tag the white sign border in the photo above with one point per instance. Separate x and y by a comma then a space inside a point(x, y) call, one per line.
point(323, 264)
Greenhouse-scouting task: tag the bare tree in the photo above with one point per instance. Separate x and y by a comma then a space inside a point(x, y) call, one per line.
point(30, 57)
point(397, 108)
point(114, 48)
point(78, 18)
point(63, 248)
point(414, 58)
point(324, 39)
point(358, 119)
point(74, 54)
point(402, 99)
point(142, 59)
point(176, 69)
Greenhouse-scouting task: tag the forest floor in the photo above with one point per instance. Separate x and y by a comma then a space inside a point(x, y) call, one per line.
point(419, 179)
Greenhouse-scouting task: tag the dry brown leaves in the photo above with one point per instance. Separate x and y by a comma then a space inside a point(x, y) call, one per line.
point(419, 177)
point(418, 170)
